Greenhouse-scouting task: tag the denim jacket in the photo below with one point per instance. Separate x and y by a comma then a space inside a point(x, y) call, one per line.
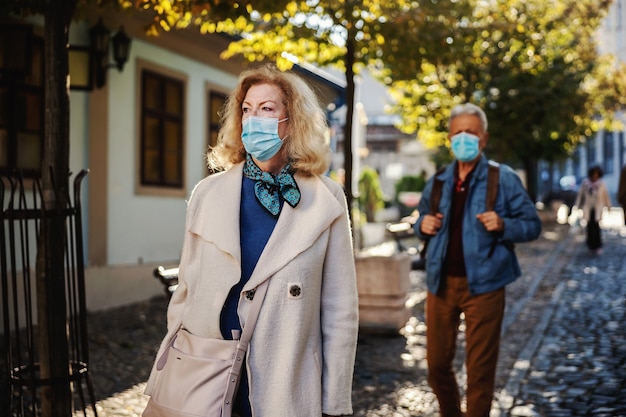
point(521, 224)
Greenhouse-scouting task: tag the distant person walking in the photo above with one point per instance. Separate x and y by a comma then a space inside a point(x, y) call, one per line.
point(592, 199)
point(469, 261)
point(621, 191)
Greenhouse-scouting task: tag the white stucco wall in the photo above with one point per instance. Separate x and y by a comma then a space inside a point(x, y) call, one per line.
point(612, 32)
point(144, 228)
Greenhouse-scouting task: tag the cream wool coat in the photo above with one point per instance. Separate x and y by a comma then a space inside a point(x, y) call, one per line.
point(597, 201)
point(301, 357)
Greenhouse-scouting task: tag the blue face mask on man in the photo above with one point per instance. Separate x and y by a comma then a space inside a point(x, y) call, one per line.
point(260, 137)
point(465, 146)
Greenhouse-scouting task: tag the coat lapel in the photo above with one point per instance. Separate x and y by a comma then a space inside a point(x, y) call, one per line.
point(218, 221)
point(297, 228)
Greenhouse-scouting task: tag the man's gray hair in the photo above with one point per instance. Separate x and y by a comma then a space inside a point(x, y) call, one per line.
point(469, 109)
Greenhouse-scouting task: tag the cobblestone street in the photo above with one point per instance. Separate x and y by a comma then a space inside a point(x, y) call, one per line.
point(579, 366)
point(563, 350)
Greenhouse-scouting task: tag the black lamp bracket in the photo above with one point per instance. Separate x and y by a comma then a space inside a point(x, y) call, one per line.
point(100, 40)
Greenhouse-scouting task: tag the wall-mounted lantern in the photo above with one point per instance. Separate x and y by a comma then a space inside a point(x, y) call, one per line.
point(100, 40)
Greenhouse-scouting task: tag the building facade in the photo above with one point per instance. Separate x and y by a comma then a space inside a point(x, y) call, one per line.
point(606, 149)
point(143, 133)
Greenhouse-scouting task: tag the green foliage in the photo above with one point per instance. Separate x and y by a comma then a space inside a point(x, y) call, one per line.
point(210, 16)
point(532, 65)
point(442, 156)
point(413, 183)
point(347, 34)
point(408, 183)
point(319, 32)
point(371, 198)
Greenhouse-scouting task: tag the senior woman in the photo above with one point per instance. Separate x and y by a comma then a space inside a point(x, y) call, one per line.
point(272, 215)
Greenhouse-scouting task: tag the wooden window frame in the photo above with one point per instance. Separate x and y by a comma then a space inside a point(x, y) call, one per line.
point(212, 126)
point(16, 84)
point(161, 188)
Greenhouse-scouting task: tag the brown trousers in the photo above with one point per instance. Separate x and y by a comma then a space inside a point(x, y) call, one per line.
point(483, 323)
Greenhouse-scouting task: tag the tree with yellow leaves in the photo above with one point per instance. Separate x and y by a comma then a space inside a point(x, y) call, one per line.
point(532, 65)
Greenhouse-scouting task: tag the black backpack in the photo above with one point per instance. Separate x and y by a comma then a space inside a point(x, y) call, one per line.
point(493, 178)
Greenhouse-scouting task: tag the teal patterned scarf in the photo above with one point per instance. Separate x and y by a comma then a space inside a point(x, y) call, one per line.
point(269, 188)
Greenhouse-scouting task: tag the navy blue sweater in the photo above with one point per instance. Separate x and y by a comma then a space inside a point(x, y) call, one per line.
point(255, 227)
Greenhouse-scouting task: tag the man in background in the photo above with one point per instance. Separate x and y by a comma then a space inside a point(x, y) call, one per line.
point(469, 260)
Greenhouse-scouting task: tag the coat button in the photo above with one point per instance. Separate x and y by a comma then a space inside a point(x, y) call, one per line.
point(250, 294)
point(295, 290)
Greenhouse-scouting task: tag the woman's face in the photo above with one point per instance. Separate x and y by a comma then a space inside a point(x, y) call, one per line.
point(266, 100)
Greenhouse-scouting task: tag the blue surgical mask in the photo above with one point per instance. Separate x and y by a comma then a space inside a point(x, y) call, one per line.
point(260, 137)
point(465, 146)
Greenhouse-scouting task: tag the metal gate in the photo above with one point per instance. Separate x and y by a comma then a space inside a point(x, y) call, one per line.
point(21, 223)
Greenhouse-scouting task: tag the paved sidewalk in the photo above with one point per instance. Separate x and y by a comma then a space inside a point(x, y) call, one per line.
point(562, 354)
point(390, 377)
point(575, 363)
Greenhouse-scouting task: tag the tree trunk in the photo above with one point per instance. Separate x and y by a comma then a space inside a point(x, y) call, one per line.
point(347, 136)
point(530, 166)
point(56, 397)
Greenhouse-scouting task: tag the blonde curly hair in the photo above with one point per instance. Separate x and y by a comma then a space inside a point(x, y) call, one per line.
point(306, 146)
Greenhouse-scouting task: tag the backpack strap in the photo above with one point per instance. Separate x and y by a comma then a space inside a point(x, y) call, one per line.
point(435, 194)
point(493, 177)
point(435, 198)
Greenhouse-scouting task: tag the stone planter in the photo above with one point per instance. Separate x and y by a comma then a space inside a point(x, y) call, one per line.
point(373, 234)
point(383, 285)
